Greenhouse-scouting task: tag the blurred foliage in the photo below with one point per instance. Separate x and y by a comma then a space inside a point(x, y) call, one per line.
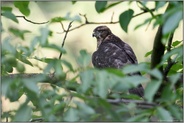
point(85, 94)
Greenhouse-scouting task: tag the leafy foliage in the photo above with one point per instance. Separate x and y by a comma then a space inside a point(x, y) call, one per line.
point(125, 18)
point(85, 96)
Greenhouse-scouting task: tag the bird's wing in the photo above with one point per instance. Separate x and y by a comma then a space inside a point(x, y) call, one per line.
point(111, 56)
point(130, 53)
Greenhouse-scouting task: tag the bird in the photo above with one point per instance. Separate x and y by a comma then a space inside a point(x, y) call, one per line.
point(112, 52)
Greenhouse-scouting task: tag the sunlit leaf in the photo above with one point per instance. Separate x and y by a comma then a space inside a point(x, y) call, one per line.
point(67, 17)
point(174, 44)
point(5, 8)
point(73, 2)
point(148, 53)
point(58, 19)
point(23, 7)
point(125, 18)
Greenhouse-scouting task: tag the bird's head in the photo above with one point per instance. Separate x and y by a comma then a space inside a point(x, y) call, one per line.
point(101, 32)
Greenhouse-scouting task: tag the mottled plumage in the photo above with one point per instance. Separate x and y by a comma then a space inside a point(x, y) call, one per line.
point(112, 52)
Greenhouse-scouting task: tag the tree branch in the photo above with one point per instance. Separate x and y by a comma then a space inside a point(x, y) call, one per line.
point(140, 104)
point(31, 21)
point(157, 46)
point(111, 22)
point(69, 26)
point(48, 78)
point(169, 61)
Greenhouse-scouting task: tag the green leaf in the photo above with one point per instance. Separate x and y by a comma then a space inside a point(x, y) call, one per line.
point(135, 68)
point(44, 36)
point(113, 4)
point(67, 64)
point(23, 114)
point(66, 18)
point(156, 73)
point(172, 22)
point(23, 7)
point(10, 15)
point(84, 59)
point(31, 84)
point(159, 4)
point(176, 51)
point(101, 84)
point(151, 89)
point(7, 46)
point(174, 44)
point(163, 114)
point(174, 78)
point(23, 58)
point(125, 18)
point(86, 79)
point(5, 8)
point(85, 109)
point(176, 112)
point(100, 6)
point(71, 115)
point(144, 23)
point(73, 2)
point(58, 19)
point(148, 53)
point(18, 33)
point(55, 47)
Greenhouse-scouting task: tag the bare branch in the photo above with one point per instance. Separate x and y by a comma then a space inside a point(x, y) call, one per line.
point(62, 26)
point(111, 22)
point(31, 21)
point(86, 20)
point(112, 17)
point(69, 26)
point(140, 104)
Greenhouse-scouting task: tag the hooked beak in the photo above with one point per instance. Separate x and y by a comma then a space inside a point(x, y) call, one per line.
point(94, 34)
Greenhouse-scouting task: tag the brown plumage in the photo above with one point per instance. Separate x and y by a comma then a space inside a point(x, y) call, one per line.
point(112, 52)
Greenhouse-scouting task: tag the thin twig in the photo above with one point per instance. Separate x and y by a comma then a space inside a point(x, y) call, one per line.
point(112, 17)
point(86, 20)
point(62, 26)
point(169, 61)
point(140, 104)
point(69, 26)
point(31, 21)
point(111, 22)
